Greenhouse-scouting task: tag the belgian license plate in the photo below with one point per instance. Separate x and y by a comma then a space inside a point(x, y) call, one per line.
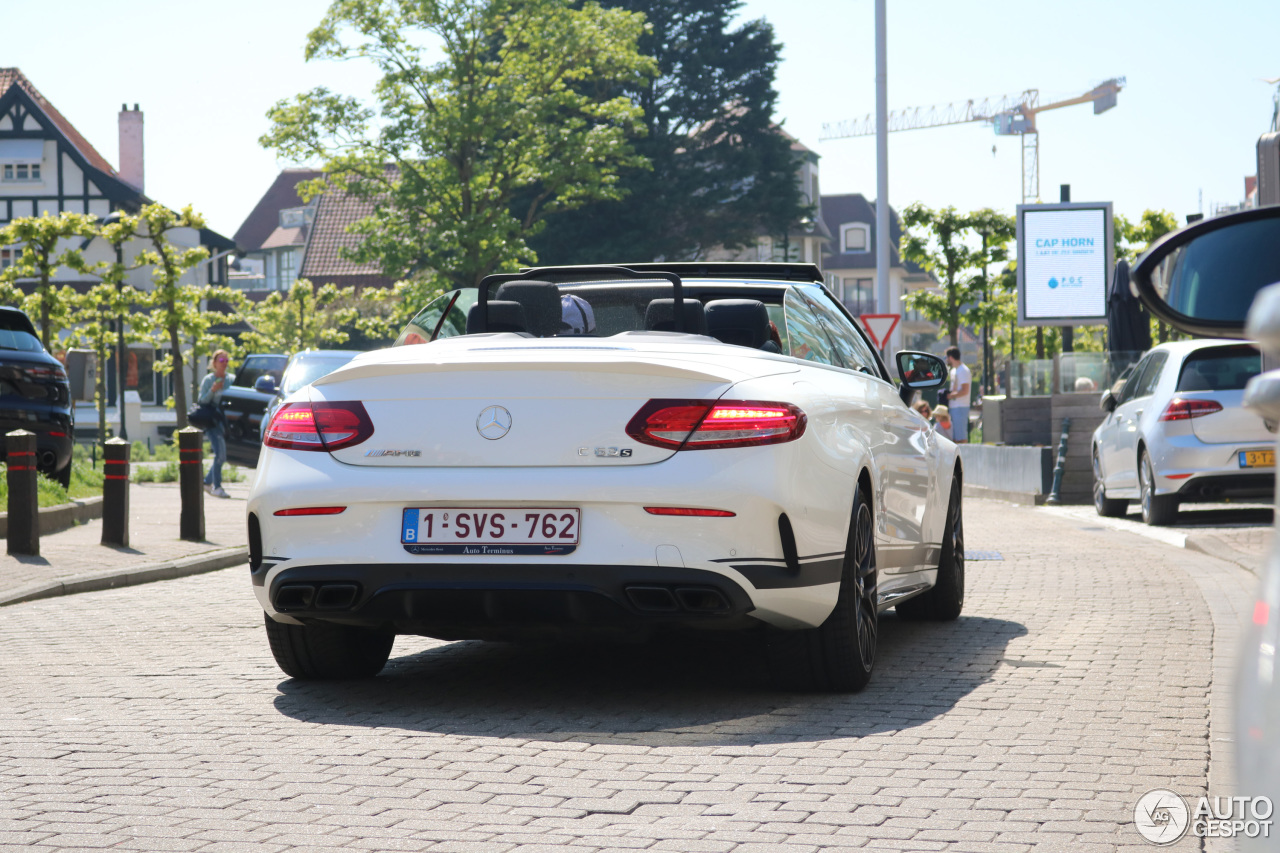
point(1257, 459)
point(490, 531)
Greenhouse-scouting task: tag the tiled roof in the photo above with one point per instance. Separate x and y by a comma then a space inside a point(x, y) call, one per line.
point(336, 211)
point(264, 219)
point(14, 77)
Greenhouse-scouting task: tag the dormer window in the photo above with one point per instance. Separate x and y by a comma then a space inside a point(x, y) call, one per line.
point(855, 237)
point(20, 159)
point(296, 217)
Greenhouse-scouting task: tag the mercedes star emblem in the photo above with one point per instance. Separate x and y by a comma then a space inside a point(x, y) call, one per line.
point(494, 422)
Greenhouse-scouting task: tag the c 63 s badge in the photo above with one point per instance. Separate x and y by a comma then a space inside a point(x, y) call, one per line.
point(394, 453)
point(605, 452)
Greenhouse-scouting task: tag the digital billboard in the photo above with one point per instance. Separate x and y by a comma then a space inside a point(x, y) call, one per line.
point(1065, 256)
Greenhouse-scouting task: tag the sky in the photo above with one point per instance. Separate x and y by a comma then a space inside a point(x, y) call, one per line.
point(1182, 137)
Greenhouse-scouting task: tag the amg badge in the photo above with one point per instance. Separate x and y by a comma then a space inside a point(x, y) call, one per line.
point(394, 453)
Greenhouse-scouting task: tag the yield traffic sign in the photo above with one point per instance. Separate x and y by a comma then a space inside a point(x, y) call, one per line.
point(880, 327)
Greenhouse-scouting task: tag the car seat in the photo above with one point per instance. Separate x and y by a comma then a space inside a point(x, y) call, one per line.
point(504, 316)
point(743, 322)
point(659, 316)
point(541, 301)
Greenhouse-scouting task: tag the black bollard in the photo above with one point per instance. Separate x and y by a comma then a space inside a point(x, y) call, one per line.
point(115, 492)
point(24, 506)
point(1055, 493)
point(191, 483)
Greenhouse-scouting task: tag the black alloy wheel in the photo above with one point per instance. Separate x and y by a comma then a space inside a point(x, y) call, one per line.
point(840, 654)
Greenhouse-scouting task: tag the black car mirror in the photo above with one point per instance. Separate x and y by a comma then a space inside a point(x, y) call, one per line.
point(921, 370)
point(266, 384)
point(1203, 278)
point(1108, 401)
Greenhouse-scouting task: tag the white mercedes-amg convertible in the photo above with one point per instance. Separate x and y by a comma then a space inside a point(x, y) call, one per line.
point(611, 449)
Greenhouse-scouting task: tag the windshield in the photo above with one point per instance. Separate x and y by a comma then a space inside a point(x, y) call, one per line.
point(304, 371)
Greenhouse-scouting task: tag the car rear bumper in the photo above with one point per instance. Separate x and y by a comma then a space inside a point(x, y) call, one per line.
point(484, 601)
point(1242, 485)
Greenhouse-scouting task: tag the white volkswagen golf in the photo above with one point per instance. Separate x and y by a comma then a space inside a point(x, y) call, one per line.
point(617, 450)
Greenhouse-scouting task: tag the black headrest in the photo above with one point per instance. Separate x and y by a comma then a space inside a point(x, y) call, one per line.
point(503, 317)
point(660, 316)
point(744, 322)
point(541, 301)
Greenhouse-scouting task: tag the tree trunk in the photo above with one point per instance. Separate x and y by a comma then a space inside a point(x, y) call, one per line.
point(1039, 341)
point(179, 387)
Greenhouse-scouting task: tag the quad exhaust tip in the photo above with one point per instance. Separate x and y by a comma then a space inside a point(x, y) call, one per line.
point(306, 596)
point(691, 599)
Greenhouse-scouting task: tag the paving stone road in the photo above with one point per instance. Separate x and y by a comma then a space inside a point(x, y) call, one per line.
point(1090, 666)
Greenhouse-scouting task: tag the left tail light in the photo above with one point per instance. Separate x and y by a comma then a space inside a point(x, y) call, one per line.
point(44, 374)
point(1181, 409)
point(711, 424)
point(318, 426)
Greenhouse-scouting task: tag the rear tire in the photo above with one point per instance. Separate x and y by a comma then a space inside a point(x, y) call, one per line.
point(945, 600)
point(1157, 510)
point(1103, 505)
point(839, 655)
point(324, 651)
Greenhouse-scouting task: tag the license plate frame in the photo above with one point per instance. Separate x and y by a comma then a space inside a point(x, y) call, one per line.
point(444, 524)
point(1257, 458)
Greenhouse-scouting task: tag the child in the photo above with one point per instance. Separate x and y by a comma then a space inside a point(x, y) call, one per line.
point(942, 416)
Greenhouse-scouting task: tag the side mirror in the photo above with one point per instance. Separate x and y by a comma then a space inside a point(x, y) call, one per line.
point(266, 384)
point(1203, 278)
point(921, 370)
point(1108, 401)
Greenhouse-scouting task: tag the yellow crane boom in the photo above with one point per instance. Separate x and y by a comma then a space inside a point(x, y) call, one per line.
point(1010, 115)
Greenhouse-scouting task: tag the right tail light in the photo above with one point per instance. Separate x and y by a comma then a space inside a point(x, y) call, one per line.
point(711, 424)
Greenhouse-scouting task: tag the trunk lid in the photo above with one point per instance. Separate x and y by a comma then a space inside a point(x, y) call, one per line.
point(499, 402)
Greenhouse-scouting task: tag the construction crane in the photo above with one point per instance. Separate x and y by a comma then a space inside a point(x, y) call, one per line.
point(1010, 115)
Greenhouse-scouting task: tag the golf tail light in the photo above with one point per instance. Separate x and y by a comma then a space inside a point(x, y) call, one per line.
point(318, 426)
point(1181, 409)
point(710, 424)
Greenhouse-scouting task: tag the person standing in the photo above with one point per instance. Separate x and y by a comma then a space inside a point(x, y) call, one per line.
point(958, 396)
point(214, 383)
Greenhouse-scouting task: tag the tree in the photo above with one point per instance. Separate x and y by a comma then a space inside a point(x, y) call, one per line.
point(957, 248)
point(46, 247)
point(101, 312)
point(721, 172)
point(1132, 238)
point(523, 101)
point(175, 310)
point(304, 319)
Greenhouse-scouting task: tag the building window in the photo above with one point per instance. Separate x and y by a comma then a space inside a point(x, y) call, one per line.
point(859, 296)
point(21, 172)
point(854, 238)
point(288, 268)
point(9, 257)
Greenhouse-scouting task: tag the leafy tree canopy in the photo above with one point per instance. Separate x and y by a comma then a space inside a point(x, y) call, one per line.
point(525, 99)
point(720, 172)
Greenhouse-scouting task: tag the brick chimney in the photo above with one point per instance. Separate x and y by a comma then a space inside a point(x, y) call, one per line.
point(131, 168)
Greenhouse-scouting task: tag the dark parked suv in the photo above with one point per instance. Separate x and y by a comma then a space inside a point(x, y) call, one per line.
point(243, 406)
point(34, 395)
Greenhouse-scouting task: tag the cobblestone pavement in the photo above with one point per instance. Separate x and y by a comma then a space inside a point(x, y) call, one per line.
point(1240, 533)
point(1088, 668)
point(76, 558)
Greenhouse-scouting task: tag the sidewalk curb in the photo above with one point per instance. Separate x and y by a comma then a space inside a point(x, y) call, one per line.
point(145, 573)
point(1223, 551)
point(55, 519)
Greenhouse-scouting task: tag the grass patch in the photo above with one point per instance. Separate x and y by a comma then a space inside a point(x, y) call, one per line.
point(86, 482)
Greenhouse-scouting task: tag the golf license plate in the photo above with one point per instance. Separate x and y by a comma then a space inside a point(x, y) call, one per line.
point(1257, 459)
point(490, 530)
